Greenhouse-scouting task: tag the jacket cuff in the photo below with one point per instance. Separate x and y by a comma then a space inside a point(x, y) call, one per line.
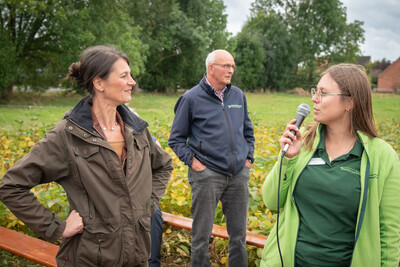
point(189, 161)
point(55, 230)
point(251, 160)
point(250, 157)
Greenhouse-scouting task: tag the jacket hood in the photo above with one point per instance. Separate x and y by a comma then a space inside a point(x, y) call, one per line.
point(82, 115)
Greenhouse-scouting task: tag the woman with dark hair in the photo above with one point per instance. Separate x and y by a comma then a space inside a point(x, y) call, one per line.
point(104, 157)
point(339, 195)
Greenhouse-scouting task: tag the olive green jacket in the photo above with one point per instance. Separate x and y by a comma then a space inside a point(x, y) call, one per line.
point(115, 204)
point(377, 235)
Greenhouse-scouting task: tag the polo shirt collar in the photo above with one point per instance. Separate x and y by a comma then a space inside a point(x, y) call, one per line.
point(357, 149)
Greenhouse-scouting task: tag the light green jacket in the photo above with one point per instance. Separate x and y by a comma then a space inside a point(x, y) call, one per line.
point(377, 236)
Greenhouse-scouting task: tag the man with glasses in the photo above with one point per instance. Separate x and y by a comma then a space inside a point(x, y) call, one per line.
point(213, 134)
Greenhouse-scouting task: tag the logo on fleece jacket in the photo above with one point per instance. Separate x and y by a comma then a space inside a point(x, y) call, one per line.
point(234, 106)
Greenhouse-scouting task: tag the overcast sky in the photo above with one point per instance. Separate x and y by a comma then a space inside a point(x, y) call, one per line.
point(381, 24)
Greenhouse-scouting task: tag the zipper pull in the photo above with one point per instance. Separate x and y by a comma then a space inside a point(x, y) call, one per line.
point(222, 104)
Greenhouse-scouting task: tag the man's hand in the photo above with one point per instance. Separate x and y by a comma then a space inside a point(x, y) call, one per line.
point(248, 163)
point(197, 166)
point(74, 225)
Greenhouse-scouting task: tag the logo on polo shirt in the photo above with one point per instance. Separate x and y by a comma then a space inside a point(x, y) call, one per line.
point(347, 169)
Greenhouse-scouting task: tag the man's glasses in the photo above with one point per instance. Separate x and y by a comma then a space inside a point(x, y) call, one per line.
point(226, 66)
point(319, 94)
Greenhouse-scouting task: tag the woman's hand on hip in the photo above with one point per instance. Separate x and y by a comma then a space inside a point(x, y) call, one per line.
point(74, 225)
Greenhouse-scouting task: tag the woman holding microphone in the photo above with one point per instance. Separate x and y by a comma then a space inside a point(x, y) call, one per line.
point(339, 187)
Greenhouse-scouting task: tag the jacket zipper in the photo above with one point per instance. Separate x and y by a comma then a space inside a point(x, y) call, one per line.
point(230, 137)
point(360, 215)
point(99, 256)
point(90, 207)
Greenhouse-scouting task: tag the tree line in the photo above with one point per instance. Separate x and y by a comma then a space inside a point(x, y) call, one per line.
point(282, 45)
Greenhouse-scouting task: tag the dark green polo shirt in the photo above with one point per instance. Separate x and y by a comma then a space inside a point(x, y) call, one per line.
point(327, 195)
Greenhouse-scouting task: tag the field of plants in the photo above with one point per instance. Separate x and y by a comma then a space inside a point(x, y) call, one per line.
point(23, 124)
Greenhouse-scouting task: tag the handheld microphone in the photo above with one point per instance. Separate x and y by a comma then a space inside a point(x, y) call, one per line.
point(302, 112)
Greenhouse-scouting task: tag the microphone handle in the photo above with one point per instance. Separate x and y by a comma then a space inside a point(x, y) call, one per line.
point(285, 148)
point(299, 120)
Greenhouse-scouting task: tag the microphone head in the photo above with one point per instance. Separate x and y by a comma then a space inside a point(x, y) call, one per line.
point(303, 109)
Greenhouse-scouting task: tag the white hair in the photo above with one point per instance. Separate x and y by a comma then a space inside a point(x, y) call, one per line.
point(211, 57)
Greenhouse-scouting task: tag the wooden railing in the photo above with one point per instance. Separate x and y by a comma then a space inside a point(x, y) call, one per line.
point(220, 231)
point(44, 252)
point(28, 247)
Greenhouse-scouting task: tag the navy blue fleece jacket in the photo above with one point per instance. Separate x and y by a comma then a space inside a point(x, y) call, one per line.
point(219, 134)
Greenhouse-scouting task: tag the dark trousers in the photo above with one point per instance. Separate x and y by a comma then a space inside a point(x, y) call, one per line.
point(156, 232)
point(208, 188)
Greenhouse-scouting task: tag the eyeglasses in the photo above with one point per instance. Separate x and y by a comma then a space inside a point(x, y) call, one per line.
point(226, 66)
point(319, 94)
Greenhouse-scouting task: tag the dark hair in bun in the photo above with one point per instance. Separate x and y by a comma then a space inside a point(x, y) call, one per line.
point(95, 61)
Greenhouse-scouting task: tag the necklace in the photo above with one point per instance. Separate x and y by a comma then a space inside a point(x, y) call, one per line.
point(347, 151)
point(112, 128)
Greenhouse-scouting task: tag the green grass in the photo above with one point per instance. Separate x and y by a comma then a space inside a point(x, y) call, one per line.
point(276, 109)
point(386, 107)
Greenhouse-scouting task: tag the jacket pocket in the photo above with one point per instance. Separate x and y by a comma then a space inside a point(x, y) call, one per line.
point(198, 176)
point(201, 147)
point(99, 249)
point(86, 151)
point(141, 141)
point(67, 252)
point(144, 237)
point(145, 222)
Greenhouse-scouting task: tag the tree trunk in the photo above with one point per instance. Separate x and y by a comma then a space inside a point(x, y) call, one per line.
point(6, 93)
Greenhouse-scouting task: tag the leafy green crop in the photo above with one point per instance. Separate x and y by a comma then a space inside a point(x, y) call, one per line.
point(15, 143)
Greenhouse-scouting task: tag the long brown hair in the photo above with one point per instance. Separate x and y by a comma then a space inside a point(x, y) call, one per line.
point(353, 81)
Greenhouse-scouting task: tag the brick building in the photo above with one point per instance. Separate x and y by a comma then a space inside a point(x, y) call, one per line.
point(390, 77)
point(364, 60)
